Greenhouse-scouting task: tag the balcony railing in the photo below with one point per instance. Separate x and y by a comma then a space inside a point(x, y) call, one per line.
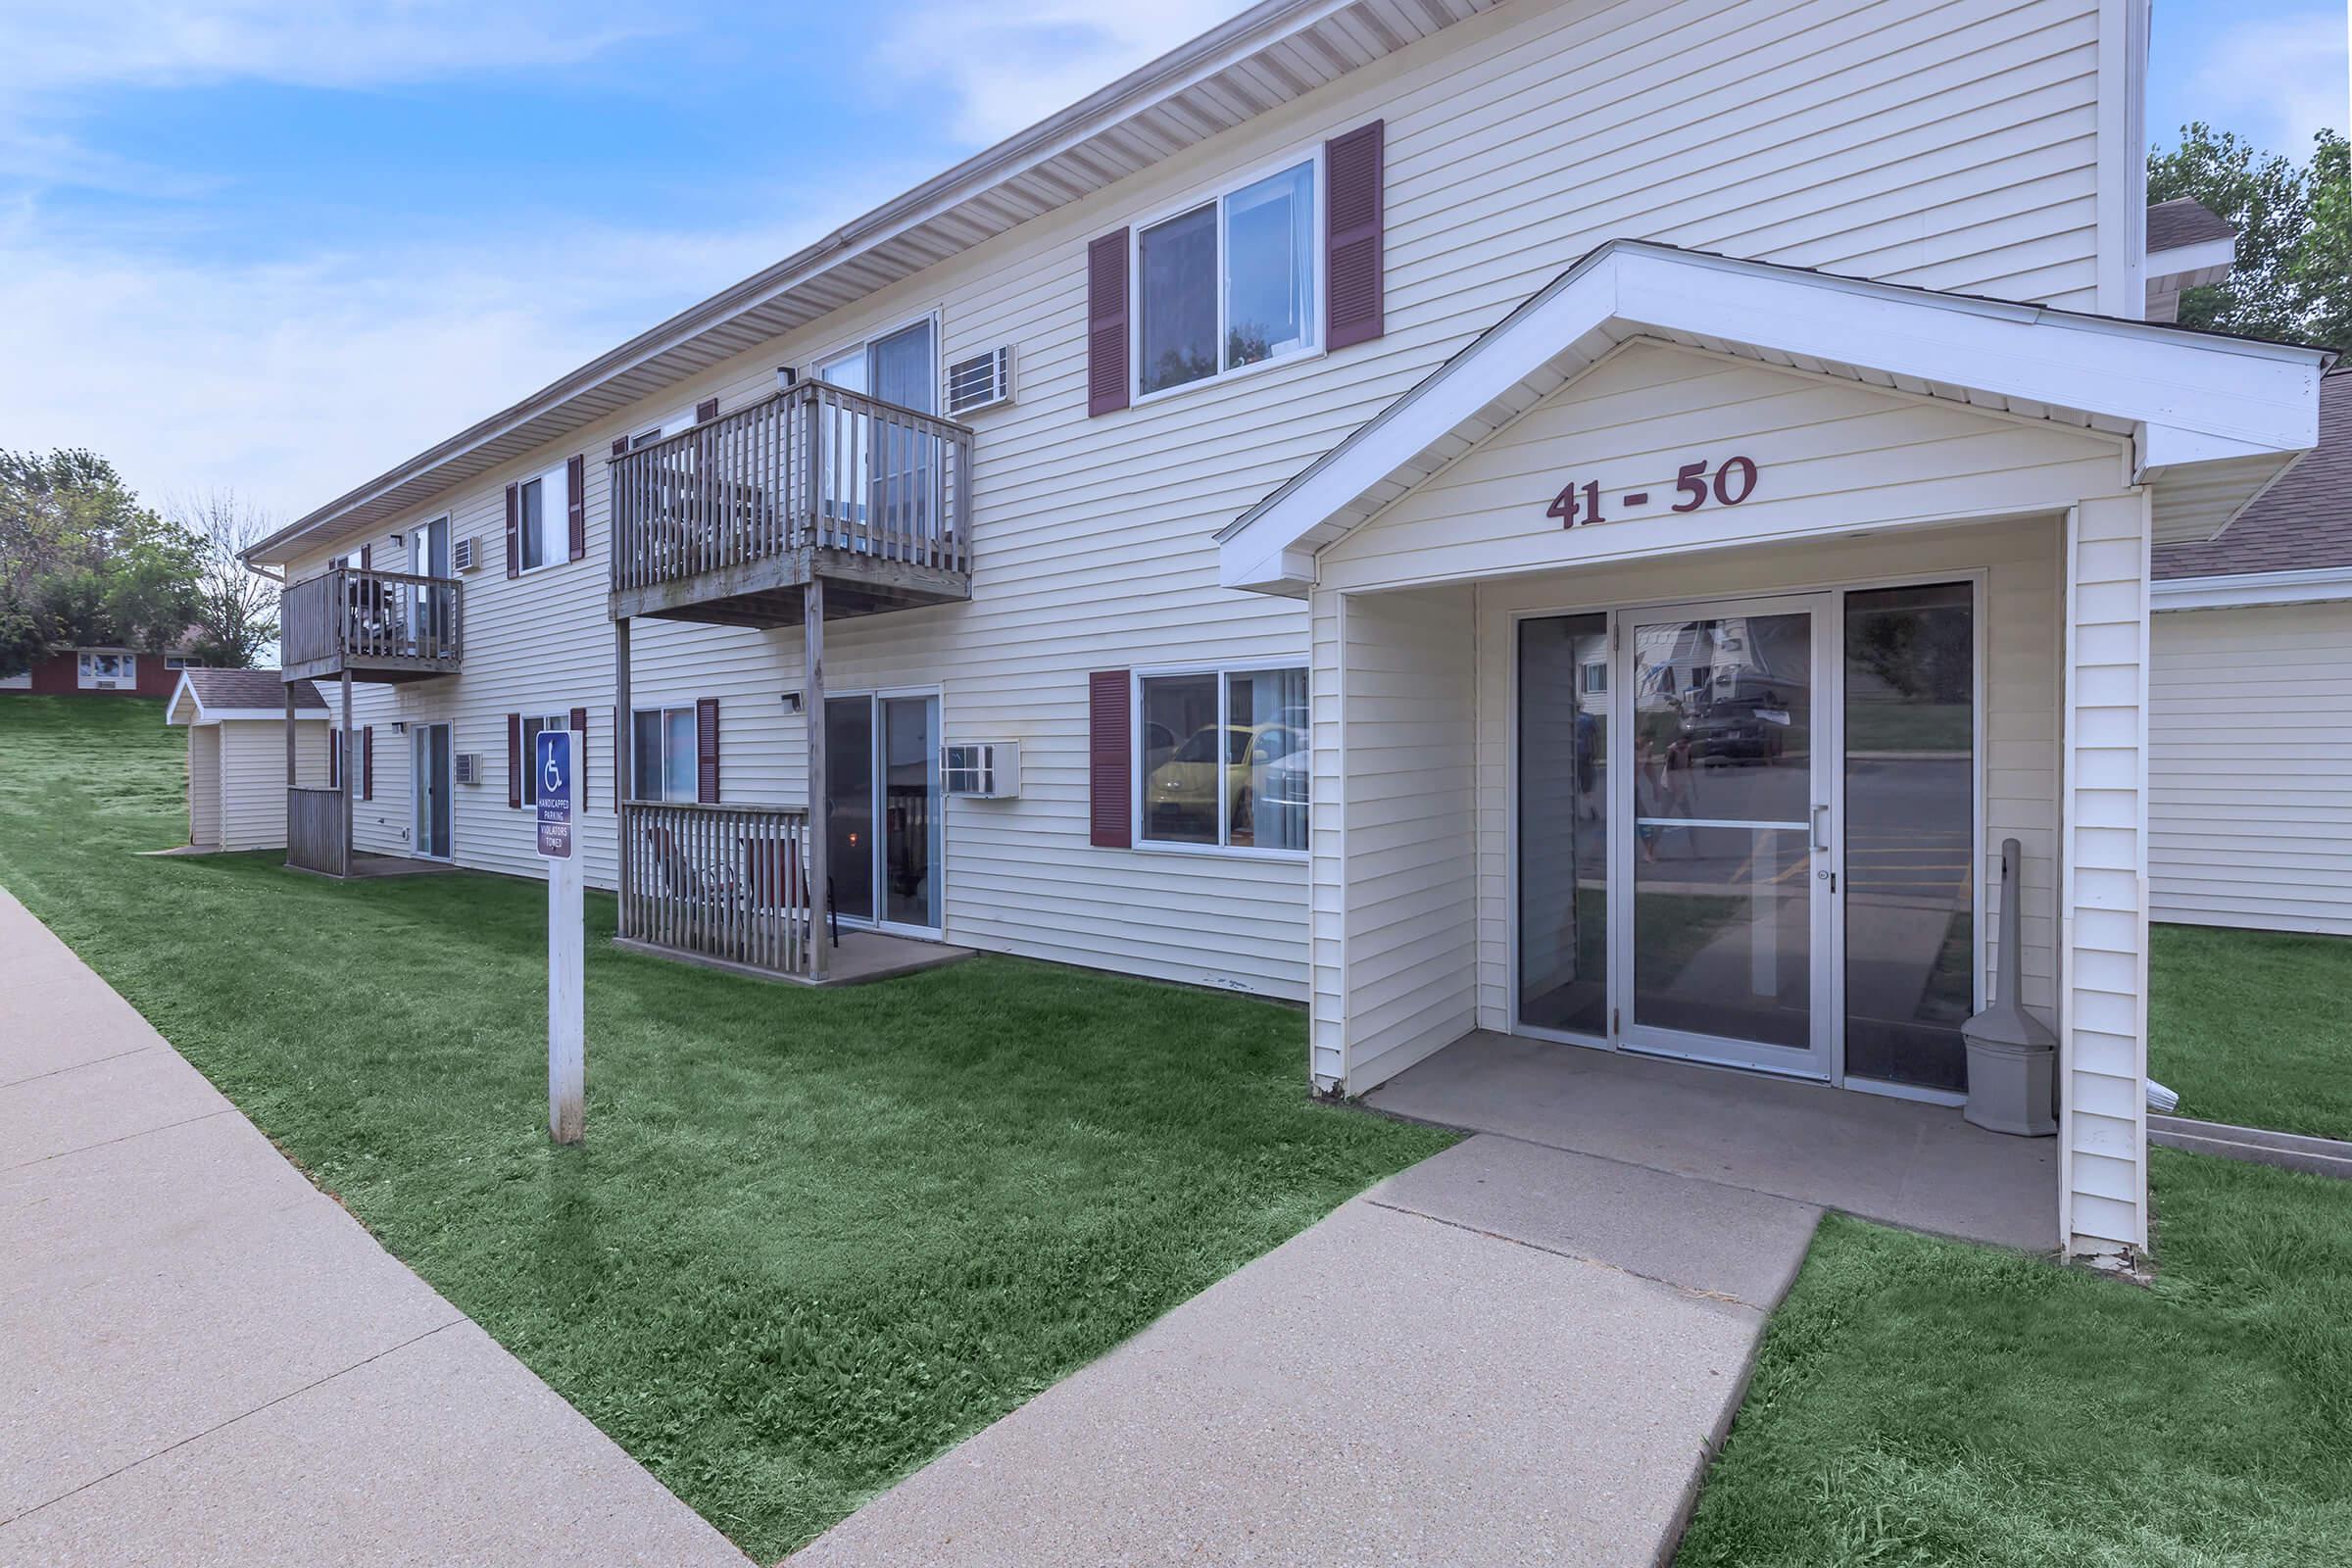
point(378, 625)
point(811, 466)
point(315, 831)
point(720, 882)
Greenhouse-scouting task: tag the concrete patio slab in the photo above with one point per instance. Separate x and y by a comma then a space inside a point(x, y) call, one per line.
point(1899, 1161)
point(209, 1361)
point(1723, 1240)
point(1383, 1388)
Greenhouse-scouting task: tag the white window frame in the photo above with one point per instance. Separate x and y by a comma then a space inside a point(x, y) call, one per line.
point(533, 726)
point(1312, 349)
point(182, 662)
point(1223, 674)
point(661, 773)
point(86, 675)
point(683, 420)
point(857, 345)
point(555, 549)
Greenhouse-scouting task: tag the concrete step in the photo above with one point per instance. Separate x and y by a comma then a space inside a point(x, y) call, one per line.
point(2324, 1156)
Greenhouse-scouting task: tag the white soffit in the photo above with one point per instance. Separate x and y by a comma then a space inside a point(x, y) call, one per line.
point(2217, 416)
point(1275, 52)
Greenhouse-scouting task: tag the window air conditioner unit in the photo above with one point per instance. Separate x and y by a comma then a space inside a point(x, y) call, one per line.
point(465, 554)
point(981, 770)
point(468, 767)
point(980, 382)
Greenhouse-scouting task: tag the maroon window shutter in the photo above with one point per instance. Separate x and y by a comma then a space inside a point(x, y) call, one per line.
point(514, 529)
point(334, 761)
point(513, 761)
point(1106, 324)
point(1354, 221)
point(575, 502)
point(1110, 759)
point(620, 445)
point(705, 410)
point(367, 763)
point(367, 557)
point(579, 757)
point(706, 750)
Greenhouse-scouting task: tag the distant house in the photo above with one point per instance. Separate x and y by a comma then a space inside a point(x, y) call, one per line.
point(121, 671)
point(236, 724)
point(2250, 771)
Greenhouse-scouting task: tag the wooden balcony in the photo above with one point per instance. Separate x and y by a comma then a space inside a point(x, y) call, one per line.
point(731, 522)
point(381, 626)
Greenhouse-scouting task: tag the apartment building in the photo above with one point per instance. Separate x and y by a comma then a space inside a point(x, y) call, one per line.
point(1593, 520)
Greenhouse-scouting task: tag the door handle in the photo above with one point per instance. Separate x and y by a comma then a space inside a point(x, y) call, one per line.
point(1821, 827)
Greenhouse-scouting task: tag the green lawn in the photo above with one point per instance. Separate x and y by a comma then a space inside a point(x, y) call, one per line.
point(2254, 1027)
point(1928, 1402)
point(812, 1236)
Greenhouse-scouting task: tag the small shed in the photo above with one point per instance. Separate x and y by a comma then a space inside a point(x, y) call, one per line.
point(236, 724)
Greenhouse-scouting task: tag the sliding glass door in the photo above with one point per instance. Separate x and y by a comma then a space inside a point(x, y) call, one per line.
point(882, 809)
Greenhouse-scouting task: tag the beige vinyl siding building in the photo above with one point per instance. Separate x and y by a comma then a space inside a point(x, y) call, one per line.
point(1792, 230)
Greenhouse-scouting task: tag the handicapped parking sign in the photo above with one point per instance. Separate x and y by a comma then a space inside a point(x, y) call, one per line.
point(552, 767)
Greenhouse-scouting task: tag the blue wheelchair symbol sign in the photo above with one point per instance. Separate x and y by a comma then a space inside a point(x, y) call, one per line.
point(553, 769)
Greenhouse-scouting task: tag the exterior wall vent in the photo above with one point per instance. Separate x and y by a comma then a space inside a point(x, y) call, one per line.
point(980, 382)
point(983, 771)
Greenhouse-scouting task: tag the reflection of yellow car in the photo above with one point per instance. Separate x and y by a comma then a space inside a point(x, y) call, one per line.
point(1180, 798)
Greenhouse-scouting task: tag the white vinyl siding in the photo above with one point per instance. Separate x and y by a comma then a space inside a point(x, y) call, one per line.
point(1951, 145)
point(251, 755)
point(204, 785)
point(2250, 767)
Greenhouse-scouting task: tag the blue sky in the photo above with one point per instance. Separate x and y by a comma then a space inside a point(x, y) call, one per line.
point(282, 244)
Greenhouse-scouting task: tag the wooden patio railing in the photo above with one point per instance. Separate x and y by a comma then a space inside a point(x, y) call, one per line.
point(358, 617)
point(315, 830)
point(811, 465)
point(722, 882)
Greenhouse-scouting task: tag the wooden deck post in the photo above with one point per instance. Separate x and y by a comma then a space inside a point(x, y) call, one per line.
point(812, 716)
point(349, 764)
point(624, 787)
point(290, 774)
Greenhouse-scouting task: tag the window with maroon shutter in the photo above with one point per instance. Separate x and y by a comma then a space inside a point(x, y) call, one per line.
point(367, 763)
point(706, 750)
point(513, 533)
point(1110, 759)
point(1354, 217)
point(1106, 324)
point(579, 757)
point(575, 503)
point(515, 761)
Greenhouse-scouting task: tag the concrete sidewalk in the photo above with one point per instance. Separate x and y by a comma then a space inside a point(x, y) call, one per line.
point(1508, 1354)
point(208, 1361)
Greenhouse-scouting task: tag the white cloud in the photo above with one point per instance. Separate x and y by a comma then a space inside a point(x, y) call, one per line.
point(2276, 80)
point(295, 380)
point(55, 45)
point(1009, 65)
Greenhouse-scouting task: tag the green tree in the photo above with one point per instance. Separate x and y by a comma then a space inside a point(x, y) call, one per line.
point(83, 561)
point(2294, 233)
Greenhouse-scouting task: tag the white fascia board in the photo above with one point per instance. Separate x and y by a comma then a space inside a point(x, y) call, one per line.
point(2183, 260)
point(2242, 589)
point(2200, 397)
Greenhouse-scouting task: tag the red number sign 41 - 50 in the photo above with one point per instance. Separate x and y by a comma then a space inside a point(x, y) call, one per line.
point(1733, 482)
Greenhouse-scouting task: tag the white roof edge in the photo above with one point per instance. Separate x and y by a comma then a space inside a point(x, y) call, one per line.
point(2245, 396)
point(2244, 589)
point(1256, 28)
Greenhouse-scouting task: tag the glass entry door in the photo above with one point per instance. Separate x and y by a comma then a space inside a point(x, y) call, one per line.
point(882, 809)
point(1724, 791)
point(429, 789)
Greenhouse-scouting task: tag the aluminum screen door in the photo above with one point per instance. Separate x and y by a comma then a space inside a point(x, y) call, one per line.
point(1725, 871)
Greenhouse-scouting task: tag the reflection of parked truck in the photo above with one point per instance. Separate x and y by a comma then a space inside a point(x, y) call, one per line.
point(1743, 721)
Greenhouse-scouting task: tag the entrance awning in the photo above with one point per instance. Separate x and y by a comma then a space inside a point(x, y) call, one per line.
point(2213, 419)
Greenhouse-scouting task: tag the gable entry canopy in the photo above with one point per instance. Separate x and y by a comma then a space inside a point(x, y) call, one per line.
point(2213, 419)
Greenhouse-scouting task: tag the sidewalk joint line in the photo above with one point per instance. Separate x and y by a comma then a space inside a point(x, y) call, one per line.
point(1676, 1286)
point(198, 1437)
point(143, 1132)
point(34, 1078)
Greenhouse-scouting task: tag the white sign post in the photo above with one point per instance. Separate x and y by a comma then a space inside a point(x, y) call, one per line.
point(566, 1007)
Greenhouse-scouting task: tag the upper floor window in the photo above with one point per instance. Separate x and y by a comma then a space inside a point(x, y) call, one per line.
point(1228, 284)
point(530, 522)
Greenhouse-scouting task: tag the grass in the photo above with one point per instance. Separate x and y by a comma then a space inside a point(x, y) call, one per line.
point(2253, 1027)
point(813, 1239)
point(1919, 1402)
